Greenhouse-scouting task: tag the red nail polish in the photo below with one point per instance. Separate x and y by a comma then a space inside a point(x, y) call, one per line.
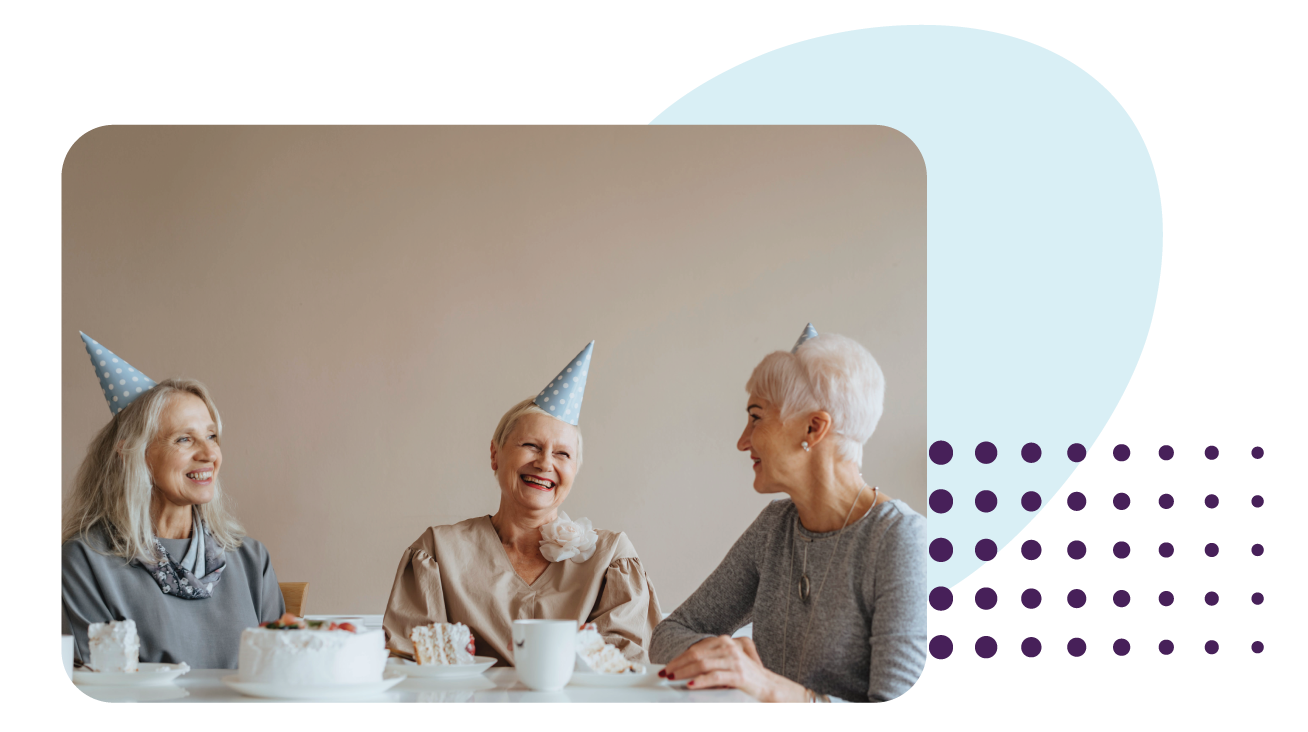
point(672, 677)
point(690, 683)
point(662, 673)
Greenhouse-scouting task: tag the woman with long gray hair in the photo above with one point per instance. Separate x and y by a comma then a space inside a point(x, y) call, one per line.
point(147, 535)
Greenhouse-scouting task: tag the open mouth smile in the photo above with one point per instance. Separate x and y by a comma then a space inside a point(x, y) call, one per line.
point(200, 476)
point(537, 482)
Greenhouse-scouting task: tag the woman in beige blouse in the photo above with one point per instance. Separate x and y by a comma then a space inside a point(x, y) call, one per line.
point(528, 560)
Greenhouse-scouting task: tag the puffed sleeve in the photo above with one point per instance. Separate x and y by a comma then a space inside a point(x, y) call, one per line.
point(417, 598)
point(82, 602)
point(627, 609)
point(898, 636)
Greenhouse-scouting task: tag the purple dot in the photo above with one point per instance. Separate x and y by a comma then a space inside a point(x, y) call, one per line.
point(1257, 647)
point(1121, 598)
point(1166, 501)
point(1257, 501)
point(1076, 549)
point(1166, 598)
point(986, 598)
point(1258, 455)
point(1121, 501)
point(1030, 452)
point(1076, 647)
point(941, 647)
point(1257, 598)
point(1121, 452)
point(1031, 549)
point(986, 452)
point(941, 501)
point(1166, 549)
point(1031, 647)
point(1031, 501)
point(1031, 599)
point(941, 550)
point(1166, 452)
point(941, 598)
point(1210, 452)
point(1211, 501)
point(1076, 598)
point(986, 501)
point(1210, 549)
point(986, 550)
point(1076, 453)
point(1166, 647)
point(1121, 550)
point(986, 646)
point(1211, 598)
point(941, 452)
point(1257, 550)
point(1076, 500)
point(1211, 647)
point(1121, 646)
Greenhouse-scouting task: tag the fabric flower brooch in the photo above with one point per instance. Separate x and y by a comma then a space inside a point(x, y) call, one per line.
point(564, 538)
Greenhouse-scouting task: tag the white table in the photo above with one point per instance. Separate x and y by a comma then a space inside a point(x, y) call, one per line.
point(496, 685)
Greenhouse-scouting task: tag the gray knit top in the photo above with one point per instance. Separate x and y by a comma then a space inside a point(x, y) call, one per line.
point(867, 634)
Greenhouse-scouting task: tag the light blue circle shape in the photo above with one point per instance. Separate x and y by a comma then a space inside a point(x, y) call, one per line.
point(1044, 231)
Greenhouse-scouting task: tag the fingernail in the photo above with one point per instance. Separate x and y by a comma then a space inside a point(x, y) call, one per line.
point(690, 683)
point(672, 676)
point(662, 672)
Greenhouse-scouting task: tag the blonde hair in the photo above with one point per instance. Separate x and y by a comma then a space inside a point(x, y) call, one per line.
point(831, 373)
point(113, 486)
point(510, 420)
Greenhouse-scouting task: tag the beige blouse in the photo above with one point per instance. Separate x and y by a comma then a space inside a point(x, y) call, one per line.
point(461, 574)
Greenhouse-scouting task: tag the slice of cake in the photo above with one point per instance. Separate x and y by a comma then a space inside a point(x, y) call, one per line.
point(115, 646)
point(601, 657)
point(443, 644)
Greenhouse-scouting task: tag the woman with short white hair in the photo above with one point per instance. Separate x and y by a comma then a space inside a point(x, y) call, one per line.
point(833, 579)
point(146, 533)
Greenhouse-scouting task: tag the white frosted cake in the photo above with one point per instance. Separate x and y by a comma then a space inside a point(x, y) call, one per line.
point(294, 651)
point(601, 657)
point(443, 644)
point(115, 646)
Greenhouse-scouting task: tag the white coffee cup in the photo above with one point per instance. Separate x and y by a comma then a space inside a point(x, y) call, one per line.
point(68, 655)
point(544, 652)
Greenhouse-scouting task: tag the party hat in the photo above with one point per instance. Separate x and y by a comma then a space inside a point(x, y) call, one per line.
point(809, 332)
point(562, 396)
point(120, 383)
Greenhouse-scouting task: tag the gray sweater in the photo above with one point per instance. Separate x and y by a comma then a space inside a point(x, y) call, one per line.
point(202, 633)
point(867, 637)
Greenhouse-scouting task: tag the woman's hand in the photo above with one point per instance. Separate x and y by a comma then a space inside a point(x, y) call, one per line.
point(733, 663)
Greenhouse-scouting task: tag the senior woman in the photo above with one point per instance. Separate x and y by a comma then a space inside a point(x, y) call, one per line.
point(834, 578)
point(146, 535)
point(528, 560)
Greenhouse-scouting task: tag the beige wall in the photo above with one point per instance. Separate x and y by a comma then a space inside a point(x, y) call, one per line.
point(365, 303)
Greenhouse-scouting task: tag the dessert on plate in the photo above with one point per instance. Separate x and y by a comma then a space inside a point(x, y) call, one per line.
point(115, 646)
point(292, 650)
point(600, 657)
point(443, 644)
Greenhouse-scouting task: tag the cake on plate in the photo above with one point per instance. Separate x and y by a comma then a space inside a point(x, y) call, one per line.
point(292, 650)
point(601, 657)
point(443, 644)
point(115, 646)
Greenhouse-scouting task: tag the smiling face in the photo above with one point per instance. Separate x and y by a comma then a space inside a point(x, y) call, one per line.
point(184, 456)
point(536, 466)
point(773, 445)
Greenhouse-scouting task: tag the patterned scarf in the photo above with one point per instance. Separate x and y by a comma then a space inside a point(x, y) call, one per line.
point(195, 575)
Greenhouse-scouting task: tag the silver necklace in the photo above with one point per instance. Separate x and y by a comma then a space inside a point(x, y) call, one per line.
point(804, 583)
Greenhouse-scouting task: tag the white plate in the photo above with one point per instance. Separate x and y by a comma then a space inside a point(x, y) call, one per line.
point(615, 681)
point(452, 671)
point(321, 692)
point(147, 674)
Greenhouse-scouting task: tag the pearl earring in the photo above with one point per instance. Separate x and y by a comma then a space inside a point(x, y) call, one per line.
point(804, 445)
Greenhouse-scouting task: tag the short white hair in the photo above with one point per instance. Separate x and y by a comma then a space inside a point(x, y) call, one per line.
point(830, 373)
point(510, 420)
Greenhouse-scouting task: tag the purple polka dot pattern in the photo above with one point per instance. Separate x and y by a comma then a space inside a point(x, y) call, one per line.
point(1030, 452)
point(941, 598)
point(1257, 501)
point(1031, 599)
point(1211, 500)
point(941, 501)
point(1076, 549)
point(1121, 453)
point(986, 647)
point(1210, 452)
point(986, 550)
point(1257, 598)
point(1166, 452)
point(1166, 647)
point(1121, 501)
point(1257, 550)
point(1257, 453)
point(1031, 647)
point(941, 452)
point(941, 550)
point(1121, 598)
point(1031, 549)
point(1166, 549)
point(1031, 501)
point(1166, 598)
point(1166, 501)
point(1121, 550)
point(1211, 550)
point(986, 501)
point(1076, 453)
point(986, 598)
point(1076, 500)
point(1076, 647)
point(1211, 598)
point(1257, 647)
point(1121, 646)
point(1076, 598)
point(986, 452)
point(1211, 647)
point(941, 647)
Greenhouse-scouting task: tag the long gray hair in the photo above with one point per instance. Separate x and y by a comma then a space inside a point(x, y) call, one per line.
point(113, 486)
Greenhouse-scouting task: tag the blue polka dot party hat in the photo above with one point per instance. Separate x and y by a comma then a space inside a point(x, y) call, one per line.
point(562, 396)
point(809, 332)
point(120, 383)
